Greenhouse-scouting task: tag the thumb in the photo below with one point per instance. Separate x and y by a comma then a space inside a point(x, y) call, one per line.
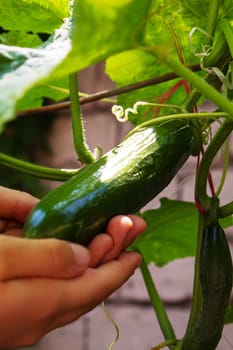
point(20, 257)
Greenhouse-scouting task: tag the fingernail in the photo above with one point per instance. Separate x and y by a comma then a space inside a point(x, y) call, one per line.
point(127, 221)
point(81, 254)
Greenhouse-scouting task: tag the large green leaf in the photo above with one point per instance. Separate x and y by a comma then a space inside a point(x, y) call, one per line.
point(35, 96)
point(103, 28)
point(171, 232)
point(95, 31)
point(33, 15)
point(23, 68)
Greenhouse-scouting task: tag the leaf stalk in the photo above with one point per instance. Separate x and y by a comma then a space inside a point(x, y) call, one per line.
point(84, 154)
point(36, 170)
point(159, 309)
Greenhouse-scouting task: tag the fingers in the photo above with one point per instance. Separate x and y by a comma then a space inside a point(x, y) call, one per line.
point(117, 230)
point(123, 230)
point(99, 247)
point(50, 303)
point(102, 281)
point(139, 226)
point(15, 204)
point(41, 258)
point(11, 228)
point(59, 259)
point(86, 292)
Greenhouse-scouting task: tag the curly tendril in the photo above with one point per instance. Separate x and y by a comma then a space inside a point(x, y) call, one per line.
point(122, 115)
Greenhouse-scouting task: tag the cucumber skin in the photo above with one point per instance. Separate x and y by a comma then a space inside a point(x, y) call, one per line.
point(120, 182)
point(216, 284)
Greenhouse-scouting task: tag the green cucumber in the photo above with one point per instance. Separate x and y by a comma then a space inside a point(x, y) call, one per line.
point(216, 286)
point(120, 182)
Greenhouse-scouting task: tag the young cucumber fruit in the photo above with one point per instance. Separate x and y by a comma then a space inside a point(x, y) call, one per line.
point(120, 182)
point(216, 285)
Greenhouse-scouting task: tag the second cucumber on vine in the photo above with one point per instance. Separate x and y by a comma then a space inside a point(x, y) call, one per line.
point(216, 285)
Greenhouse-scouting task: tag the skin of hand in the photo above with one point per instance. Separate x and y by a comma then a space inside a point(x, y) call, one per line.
point(48, 283)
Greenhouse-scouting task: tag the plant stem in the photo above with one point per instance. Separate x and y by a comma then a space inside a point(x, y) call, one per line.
point(219, 57)
point(206, 89)
point(188, 116)
point(157, 304)
point(219, 50)
point(208, 157)
point(227, 30)
point(36, 170)
point(196, 298)
point(225, 210)
point(225, 168)
point(164, 344)
point(84, 155)
point(212, 19)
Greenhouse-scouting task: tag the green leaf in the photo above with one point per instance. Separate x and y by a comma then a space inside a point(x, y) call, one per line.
point(171, 232)
point(227, 9)
point(103, 28)
point(22, 39)
point(199, 9)
point(55, 91)
point(196, 8)
point(24, 68)
point(38, 16)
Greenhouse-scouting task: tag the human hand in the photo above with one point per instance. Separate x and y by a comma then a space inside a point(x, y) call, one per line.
point(14, 208)
point(49, 283)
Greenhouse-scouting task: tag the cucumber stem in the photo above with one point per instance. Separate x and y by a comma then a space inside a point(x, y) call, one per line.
point(36, 170)
point(202, 174)
point(84, 154)
point(156, 302)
